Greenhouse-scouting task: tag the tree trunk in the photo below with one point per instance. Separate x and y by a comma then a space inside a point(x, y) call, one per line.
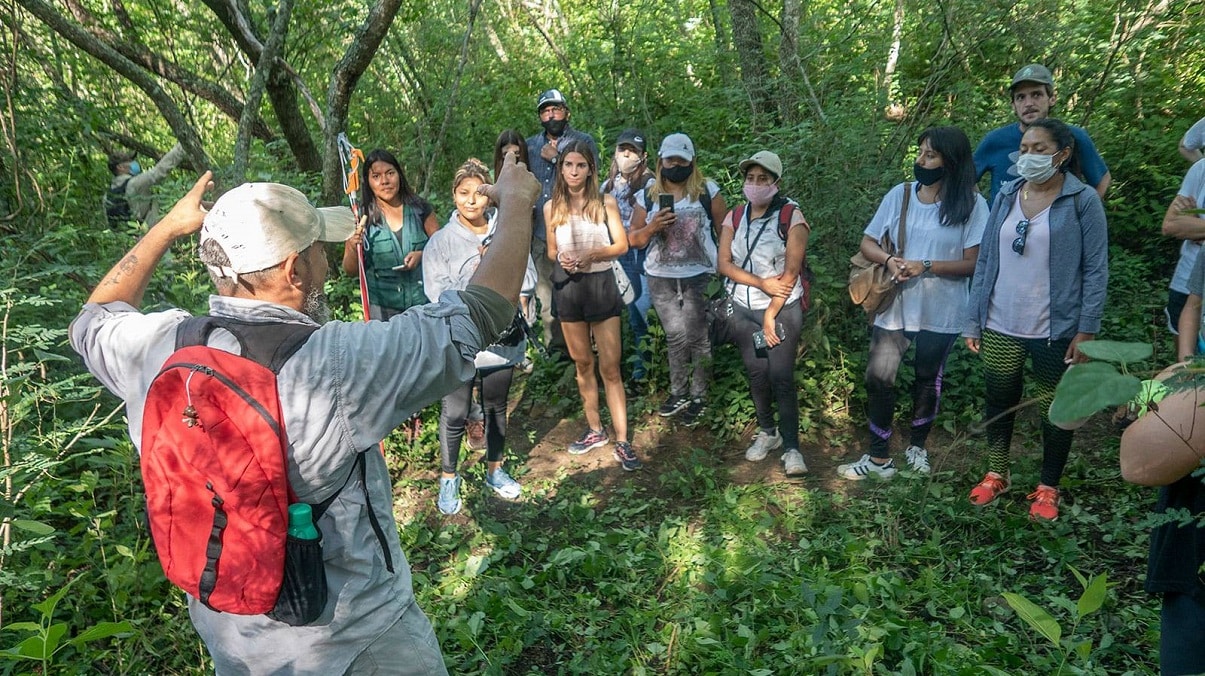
point(255, 91)
point(218, 95)
point(894, 108)
point(281, 88)
point(81, 38)
point(453, 96)
point(343, 81)
point(746, 35)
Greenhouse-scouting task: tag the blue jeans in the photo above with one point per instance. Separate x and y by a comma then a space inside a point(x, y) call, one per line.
point(681, 306)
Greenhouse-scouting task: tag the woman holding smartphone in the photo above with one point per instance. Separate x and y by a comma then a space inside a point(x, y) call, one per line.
point(584, 234)
point(763, 246)
point(397, 224)
point(677, 221)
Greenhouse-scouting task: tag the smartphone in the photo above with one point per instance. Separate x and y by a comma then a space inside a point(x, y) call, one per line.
point(401, 267)
point(665, 201)
point(759, 336)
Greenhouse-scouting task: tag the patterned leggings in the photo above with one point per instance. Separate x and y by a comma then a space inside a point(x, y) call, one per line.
point(1004, 365)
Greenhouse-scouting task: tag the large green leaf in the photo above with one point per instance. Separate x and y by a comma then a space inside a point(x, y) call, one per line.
point(1093, 597)
point(1035, 617)
point(1117, 352)
point(103, 630)
point(1088, 388)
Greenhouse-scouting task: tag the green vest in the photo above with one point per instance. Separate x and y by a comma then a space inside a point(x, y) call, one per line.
point(384, 250)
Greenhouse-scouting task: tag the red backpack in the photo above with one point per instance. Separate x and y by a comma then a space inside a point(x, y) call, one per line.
point(213, 464)
point(786, 210)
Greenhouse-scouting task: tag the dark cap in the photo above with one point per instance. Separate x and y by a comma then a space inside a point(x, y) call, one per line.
point(1034, 72)
point(551, 97)
point(631, 137)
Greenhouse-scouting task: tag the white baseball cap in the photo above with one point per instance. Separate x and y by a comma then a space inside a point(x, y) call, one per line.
point(259, 225)
point(677, 145)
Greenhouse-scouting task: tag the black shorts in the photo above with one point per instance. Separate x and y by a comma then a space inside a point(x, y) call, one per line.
point(587, 297)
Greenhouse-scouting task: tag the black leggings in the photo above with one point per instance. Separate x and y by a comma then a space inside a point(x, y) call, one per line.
point(771, 372)
point(495, 388)
point(1004, 366)
point(887, 350)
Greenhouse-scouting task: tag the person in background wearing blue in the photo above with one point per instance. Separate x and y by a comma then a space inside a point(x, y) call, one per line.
point(543, 149)
point(1031, 97)
point(133, 188)
point(397, 224)
point(452, 257)
point(1038, 292)
point(626, 182)
point(943, 225)
point(1190, 228)
point(763, 255)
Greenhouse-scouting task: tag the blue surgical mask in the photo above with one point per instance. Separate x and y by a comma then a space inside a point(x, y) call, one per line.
point(135, 168)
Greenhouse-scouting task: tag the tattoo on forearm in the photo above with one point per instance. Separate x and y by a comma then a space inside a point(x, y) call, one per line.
point(126, 266)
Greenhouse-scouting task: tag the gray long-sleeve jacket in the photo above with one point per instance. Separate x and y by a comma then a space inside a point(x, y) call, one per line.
point(139, 188)
point(1079, 261)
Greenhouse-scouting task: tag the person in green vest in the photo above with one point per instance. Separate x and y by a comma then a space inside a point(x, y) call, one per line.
point(397, 224)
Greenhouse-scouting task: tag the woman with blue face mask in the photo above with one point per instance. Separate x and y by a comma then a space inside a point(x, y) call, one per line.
point(1037, 293)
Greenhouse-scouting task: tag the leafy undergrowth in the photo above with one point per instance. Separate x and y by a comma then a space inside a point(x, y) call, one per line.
point(697, 566)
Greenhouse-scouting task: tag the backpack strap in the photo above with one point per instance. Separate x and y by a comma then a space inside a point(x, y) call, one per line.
point(269, 344)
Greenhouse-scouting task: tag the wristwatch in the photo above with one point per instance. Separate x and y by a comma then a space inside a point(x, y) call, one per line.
point(927, 263)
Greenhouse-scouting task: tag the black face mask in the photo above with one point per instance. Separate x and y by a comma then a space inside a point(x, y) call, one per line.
point(925, 176)
point(677, 174)
point(555, 127)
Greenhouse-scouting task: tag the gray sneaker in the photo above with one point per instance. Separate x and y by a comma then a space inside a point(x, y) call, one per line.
point(503, 484)
point(762, 445)
point(918, 459)
point(793, 464)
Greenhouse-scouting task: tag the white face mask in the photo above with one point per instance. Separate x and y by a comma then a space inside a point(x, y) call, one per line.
point(1036, 168)
point(626, 163)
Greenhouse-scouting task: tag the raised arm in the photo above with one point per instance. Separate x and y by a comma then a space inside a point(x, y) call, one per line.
point(127, 280)
point(502, 267)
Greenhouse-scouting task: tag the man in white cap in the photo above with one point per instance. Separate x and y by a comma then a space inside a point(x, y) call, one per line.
point(1193, 142)
point(542, 150)
point(1031, 96)
point(340, 393)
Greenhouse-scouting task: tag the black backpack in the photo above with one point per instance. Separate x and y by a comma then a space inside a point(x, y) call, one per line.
point(117, 205)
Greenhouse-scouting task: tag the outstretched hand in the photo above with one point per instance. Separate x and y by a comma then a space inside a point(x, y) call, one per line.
point(515, 188)
point(188, 214)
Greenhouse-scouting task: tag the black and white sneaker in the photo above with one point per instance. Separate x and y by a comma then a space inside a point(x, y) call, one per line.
point(674, 404)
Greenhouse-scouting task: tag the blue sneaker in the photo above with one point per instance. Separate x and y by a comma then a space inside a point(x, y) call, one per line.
point(627, 457)
point(449, 495)
point(590, 440)
point(503, 484)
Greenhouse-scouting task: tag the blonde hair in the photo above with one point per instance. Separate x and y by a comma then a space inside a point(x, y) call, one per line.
point(472, 168)
point(594, 210)
point(696, 184)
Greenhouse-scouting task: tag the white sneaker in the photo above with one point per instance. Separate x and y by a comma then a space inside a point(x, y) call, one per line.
point(864, 467)
point(793, 464)
point(762, 445)
point(918, 459)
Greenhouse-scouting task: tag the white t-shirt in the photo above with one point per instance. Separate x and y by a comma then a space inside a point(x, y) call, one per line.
point(688, 248)
point(1192, 186)
point(929, 302)
point(769, 257)
point(1020, 302)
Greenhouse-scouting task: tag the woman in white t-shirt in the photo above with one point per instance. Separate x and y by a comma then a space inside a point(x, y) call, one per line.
point(680, 237)
point(943, 225)
point(763, 246)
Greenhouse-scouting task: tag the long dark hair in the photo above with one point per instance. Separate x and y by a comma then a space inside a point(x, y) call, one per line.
point(1064, 138)
point(368, 201)
point(958, 185)
point(508, 138)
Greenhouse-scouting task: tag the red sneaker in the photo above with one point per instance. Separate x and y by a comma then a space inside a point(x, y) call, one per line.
point(1045, 506)
point(985, 492)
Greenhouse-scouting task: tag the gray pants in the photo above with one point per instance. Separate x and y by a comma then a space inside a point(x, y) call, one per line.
point(681, 305)
point(408, 648)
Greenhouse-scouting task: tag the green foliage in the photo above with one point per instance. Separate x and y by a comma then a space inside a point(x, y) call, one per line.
point(46, 636)
point(1041, 621)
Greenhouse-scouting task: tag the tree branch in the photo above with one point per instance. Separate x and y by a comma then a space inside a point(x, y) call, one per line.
point(255, 92)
